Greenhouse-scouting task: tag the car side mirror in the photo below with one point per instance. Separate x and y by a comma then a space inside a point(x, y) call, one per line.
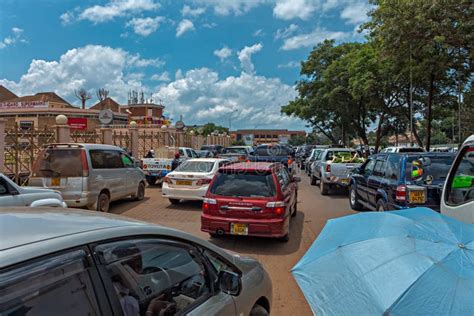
point(230, 282)
point(297, 179)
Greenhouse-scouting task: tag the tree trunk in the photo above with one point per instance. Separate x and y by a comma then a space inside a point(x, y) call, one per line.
point(429, 113)
point(378, 133)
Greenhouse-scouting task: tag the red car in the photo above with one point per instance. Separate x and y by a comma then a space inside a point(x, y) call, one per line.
point(250, 198)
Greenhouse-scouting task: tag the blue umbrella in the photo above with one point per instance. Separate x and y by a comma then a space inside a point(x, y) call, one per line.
point(409, 262)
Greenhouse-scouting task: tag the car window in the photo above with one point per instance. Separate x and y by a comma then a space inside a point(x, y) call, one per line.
point(272, 151)
point(341, 154)
point(461, 188)
point(156, 277)
point(188, 153)
point(379, 168)
point(3, 187)
point(428, 168)
point(181, 152)
point(126, 161)
point(392, 170)
point(195, 166)
point(369, 167)
point(244, 183)
point(57, 285)
point(59, 163)
point(282, 179)
point(105, 159)
point(218, 263)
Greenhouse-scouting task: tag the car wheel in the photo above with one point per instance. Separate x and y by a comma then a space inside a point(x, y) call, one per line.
point(151, 180)
point(381, 206)
point(174, 201)
point(103, 202)
point(140, 195)
point(313, 180)
point(353, 199)
point(324, 187)
point(295, 206)
point(258, 310)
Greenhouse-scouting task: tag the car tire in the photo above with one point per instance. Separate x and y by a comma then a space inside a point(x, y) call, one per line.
point(258, 310)
point(103, 202)
point(381, 206)
point(313, 180)
point(140, 195)
point(151, 180)
point(174, 201)
point(295, 206)
point(324, 187)
point(353, 199)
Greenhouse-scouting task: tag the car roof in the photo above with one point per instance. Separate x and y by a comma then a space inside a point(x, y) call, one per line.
point(28, 233)
point(250, 166)
point(82, 145)
point(206, 159)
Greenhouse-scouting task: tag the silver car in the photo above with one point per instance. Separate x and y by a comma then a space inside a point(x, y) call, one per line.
point(77, 262)
point(12, 194)
point(88, 175)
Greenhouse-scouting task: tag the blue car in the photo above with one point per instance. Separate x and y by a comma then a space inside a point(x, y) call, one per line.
point(392, 181)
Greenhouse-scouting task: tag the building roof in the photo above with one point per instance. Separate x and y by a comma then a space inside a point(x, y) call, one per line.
point(41, 96)
point(142, 105)
point(6, 94)
point(107, 103)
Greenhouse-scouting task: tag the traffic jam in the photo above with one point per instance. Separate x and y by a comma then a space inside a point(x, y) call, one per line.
point(411, 204)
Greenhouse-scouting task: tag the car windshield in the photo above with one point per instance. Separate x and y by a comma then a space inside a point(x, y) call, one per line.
point(195, 166)
point(58, 163)
point(246, 184)
point(208, 148)
point(422, 169)
point(272, 151)
point(410, 150)
point(235, 150)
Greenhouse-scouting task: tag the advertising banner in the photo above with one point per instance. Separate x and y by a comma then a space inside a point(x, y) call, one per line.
point(77, 123)
point(23, 105)
point(248, 139)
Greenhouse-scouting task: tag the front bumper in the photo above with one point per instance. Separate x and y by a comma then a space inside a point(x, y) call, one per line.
point(273, 228)
point(156, 174)
point(194, 194)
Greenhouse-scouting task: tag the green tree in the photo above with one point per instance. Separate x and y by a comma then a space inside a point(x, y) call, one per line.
point(297, 140)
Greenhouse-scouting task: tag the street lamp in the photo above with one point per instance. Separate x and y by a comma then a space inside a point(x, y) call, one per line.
point(230, 118)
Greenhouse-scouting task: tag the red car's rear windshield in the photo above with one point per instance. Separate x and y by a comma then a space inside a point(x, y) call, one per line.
point(244, 184)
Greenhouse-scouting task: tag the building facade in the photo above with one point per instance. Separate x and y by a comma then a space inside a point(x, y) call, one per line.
point(265, 136)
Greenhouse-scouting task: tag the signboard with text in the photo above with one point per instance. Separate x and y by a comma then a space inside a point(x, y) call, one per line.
point(23, 105)
point(78, 123)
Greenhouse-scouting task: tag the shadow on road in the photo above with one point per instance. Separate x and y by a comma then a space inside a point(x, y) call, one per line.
point(264, 246)
point(122, 206)
point(186, 206)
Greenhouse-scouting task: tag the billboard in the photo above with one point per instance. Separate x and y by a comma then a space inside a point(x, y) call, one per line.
point(283, 139)
point(23, 105)
point(248, 139)
point(77, 123)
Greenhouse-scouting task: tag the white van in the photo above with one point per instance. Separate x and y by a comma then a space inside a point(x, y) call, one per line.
point(458, 194)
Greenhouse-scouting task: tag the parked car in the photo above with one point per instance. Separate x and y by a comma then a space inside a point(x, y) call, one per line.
point(205, 154)
point(236, 153)
point(400, 149)
point(12, 194)
point(88, 175)
point(274, 153)
point(396, 181)
point(333, 167)
point(312, 158)
point(458, 193)
point(215, 149)
point(191, 179)
point(81, 263)
point(303, 154)
point(255, 199)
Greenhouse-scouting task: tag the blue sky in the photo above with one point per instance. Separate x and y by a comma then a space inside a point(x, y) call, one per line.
point(205, 59)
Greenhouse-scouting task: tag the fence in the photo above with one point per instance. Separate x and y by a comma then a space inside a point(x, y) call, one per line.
point(20, 147)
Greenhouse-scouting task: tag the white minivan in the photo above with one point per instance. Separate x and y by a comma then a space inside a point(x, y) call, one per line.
point(458, 193)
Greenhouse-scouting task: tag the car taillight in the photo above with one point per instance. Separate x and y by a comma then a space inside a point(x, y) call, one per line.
point(203, 181)
point(278, 207)
point(248, 160)
point(167, 180)
point(206, 204)
point(85, 165)
point(401, 194)
point(290, 161)
point(328, 168)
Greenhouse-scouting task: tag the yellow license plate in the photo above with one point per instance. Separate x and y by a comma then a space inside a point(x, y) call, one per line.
point(183, 182)
point(345, 181)
point(55, 182)
point(239, 229)
point(417, 197)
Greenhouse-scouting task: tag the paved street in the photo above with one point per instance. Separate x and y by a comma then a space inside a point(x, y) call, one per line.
point(278, 258)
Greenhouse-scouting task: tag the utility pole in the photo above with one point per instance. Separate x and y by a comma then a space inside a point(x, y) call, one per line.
point(459, 115)
point(411, 103)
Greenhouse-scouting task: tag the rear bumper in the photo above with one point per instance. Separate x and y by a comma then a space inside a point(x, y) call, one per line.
point(273, 228)
point(341, 181)
point(86, 199)
point(196, 194)
point(155, 174)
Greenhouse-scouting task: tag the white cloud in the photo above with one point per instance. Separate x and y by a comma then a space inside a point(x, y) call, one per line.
point(223, 53)
point(356, 13)
point(290, 64)
point(245, 57)
point(258, 33)
point(183, 27)
point(291, 9)
point(145, 26)
point(201, 96)
point(311, 39)
point(165, 76)
point(188, 11)
point(286, 32)
point(16, 36)
point(209, 25)
point(226, 7)
point(89, 67)
point(109, 11)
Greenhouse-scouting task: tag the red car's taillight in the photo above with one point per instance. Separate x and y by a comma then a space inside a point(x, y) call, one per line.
point(203, 181)
point(206, 204)
point(277, 207)
point(328, 168)
point(85, 165)
point(401, 194)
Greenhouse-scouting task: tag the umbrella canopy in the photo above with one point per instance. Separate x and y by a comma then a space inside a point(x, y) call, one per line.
point(409, 262)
